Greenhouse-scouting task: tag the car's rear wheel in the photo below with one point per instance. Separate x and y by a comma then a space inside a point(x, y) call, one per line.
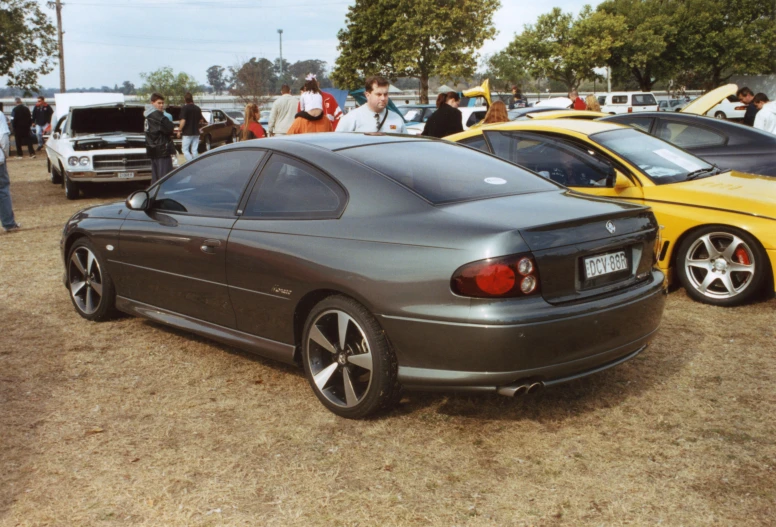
point(72, 189)
point(233, 138)
point(91, 288)
point(720, 115)
point(208, 143)
point(722, 265)
point(347, 359)
point(55, 177)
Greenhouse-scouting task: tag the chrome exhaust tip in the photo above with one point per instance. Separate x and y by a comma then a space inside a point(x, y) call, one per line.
point(514, 390)
point(535, 387)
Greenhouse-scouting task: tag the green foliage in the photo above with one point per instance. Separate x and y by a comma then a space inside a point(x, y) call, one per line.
point(215, 78)
point(27, 44)
point(563, 48)
point(253, 81)
point(299, 70)
point(412, 38)
point(165, 82)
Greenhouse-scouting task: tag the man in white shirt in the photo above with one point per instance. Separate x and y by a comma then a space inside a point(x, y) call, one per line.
point(283, 112)
point(766, 113)
point(373, 116)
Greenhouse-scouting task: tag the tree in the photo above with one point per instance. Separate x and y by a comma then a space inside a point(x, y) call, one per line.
point(27, 44)
point(253, 81)
point(300, 69)
point(165, 82)
point(648, 54)
point(215, 78)
point(413, 38)
point(505, 68)
point(567, 50)
point(717, 39)
point(127, 88)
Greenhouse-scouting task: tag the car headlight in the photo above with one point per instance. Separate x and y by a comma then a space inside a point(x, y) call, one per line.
point(84, 161)
point(72, 161)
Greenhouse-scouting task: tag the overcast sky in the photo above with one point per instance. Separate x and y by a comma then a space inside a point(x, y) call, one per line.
point(109, 41)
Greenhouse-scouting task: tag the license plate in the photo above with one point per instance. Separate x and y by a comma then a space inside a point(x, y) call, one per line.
point(126, 175)
point(605, 264)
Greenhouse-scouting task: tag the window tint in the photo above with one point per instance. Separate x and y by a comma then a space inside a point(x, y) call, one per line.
point(475, 118)
point(642, 123)
point(646, 99)
point(602, 99)
point(619, 99)
point(557, 160)
point(442, 172)
point(290, 189)
point(687, 136)
point(732, 98)
point(477, 142)
point(209, 186)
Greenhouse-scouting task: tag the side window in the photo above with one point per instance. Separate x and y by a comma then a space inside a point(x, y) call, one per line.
point(602, 100)
point(477, 142)
point(642, 123)
point(475, 118)
point(290, 189)
point(556, 160)
point(619, 99)
point(645, 99)
point(687, 136)
point(209, 186)
point(733, 99)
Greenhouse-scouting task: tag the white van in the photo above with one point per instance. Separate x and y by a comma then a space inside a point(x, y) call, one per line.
point(627, 102)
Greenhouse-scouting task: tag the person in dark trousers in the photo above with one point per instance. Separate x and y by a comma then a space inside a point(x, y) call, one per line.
point(447, 119)
point(158, 133)
point(746, 96)
point(22, 123)
point(191, 117)
point(41, 116)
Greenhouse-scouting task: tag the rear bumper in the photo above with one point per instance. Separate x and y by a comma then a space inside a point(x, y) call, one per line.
point(577, 340)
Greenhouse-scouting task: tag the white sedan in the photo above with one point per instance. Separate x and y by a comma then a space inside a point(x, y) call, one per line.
point(728, 108)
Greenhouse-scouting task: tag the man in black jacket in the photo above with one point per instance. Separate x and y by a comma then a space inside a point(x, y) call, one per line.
point(41, 116)
point(746, 96)
point(22, 123)
point(158, 133)
point(447, 119)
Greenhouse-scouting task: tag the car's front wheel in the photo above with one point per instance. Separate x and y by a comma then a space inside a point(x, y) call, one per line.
point(347, 359)
point(722, 265)
point(72, 189)
point(720, 115)
point(208, 143)
point(91, 288)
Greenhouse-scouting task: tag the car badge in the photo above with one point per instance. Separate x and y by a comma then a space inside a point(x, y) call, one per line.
point(124, 161)
point(610, 227)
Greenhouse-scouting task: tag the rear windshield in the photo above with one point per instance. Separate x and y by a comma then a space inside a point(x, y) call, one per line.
point(645, 99)
point(442, 172)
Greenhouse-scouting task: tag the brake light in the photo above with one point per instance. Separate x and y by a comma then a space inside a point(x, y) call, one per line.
point(504, 277)
point(742, 108)
point(630, 109)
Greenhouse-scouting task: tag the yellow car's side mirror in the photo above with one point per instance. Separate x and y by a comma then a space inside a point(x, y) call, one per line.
point(622, 182)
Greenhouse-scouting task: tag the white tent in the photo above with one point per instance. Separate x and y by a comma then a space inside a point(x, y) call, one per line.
point(444, 89)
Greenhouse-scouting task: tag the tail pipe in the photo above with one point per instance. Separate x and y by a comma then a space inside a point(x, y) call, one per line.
point(520, 388)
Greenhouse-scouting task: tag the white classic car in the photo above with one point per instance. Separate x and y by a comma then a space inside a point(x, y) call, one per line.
point(103, 143)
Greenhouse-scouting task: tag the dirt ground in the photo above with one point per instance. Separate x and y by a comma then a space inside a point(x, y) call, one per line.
point(130, 423)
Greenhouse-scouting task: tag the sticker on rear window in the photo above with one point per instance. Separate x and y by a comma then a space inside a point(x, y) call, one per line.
point(495, 181)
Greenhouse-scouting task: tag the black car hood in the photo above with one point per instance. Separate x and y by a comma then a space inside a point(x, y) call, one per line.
point(96, 120)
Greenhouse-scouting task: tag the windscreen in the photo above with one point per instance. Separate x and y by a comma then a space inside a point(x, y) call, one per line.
point(443, 172)
point(127, 119)
point(662, 162)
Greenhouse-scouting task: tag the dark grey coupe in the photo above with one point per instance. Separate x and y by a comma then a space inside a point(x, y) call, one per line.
point(378, 262)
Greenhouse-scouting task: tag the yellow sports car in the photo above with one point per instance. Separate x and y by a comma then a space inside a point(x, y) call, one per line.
point(719, 233)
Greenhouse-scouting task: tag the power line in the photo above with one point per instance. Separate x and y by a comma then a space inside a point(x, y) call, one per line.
point(232, 52)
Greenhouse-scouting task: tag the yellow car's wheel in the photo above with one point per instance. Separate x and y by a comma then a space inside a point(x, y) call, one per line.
point(722, 265)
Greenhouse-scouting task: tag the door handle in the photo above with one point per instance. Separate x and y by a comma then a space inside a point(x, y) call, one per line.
point(209, 246)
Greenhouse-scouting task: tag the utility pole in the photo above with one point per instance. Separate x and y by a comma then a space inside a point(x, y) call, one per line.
point(61, 48)
point(280, 34)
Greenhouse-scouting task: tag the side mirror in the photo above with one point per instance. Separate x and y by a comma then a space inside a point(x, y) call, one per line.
point(55, 135)
point(138, 200)
point(621, 182)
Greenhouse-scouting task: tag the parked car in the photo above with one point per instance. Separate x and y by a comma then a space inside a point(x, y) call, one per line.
point(720, 226)
point(97, 144)
point(722, 143)
point(728, 108)
point(562, 114)
point(672, 105)
point(377, 262)
point(416, 113)
point(627, 102)
point(217, 128)
point(470, 115)
point(236, 115)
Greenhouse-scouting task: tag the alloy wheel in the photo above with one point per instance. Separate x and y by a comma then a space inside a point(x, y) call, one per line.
point(340, 360)
point(720, 265)
point(86, 280)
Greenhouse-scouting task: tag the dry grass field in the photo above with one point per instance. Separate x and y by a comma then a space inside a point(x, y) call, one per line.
point(131, 423)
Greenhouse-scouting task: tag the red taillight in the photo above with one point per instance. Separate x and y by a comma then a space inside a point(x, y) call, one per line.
point(630, 109)
point(508, 276)
point(742, 108)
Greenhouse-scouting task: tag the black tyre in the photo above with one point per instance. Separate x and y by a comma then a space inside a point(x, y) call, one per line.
point(347, 359)
point(208, 143)
point(91, 288)
point(233, 137)
point(56, 177)
point(722, 265)
point(72, 189)
point(720, 115)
